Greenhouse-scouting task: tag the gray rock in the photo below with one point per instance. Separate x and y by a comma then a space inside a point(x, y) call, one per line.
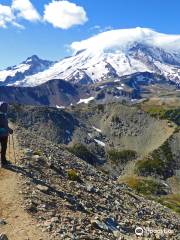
point(3, 237)
point(42, 188)
point(116, 234)
point(54, 220)
point(36, 158)
point(178, 237)
point(3, 222)
point(100, 225)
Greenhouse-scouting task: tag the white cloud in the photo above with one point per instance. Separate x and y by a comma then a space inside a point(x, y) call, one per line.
point(123, 39)
point(19, 9)
point(61, 14)
point(6, 15)
point(64, 14)
point(26, 10)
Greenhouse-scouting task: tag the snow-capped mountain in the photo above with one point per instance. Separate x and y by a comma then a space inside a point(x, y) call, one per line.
point(18, 73)
point(111, 55)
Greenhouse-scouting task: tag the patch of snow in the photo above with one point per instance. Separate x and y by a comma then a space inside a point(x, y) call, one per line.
point(85, 100)
point(99, 142)
point(90, 135)
point(60, 107)
point(97, 129)
point(12, 72)
point(119, 88)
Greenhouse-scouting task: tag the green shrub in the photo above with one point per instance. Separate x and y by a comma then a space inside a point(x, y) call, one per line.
point(173, 115)
point(121, 156)
point(160, 162)
point(115, 119)
point(144, 186)
point(82, 152)
point(163, 113)
point(156, 112)
point(171, 201)
point(38, 152)
point(100, 108)
point(149, 166)
point(73, 175)
point(151, 189)
point(177, 129)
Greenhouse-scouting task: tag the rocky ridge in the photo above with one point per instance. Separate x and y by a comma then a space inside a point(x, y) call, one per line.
point(73, 200)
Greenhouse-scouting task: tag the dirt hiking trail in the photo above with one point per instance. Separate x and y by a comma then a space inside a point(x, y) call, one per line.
point(19, 224)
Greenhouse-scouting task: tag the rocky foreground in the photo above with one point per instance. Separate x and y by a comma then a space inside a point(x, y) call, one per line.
point(73, 200)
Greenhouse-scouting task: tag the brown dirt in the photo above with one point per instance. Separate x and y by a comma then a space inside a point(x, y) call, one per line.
point(20, 225)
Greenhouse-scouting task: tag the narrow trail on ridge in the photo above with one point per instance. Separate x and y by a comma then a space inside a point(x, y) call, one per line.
point(19, 224)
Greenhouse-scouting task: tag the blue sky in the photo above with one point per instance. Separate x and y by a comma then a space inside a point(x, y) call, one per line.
point(34, 36)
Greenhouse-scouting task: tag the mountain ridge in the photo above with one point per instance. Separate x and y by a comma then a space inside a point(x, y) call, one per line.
point(30, 66)
point(110, 54)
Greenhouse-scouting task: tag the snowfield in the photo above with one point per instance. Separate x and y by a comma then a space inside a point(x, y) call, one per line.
point(85, 100)
point(111, 54)
point(99, 142)
point(12, 72)
point(60, 107)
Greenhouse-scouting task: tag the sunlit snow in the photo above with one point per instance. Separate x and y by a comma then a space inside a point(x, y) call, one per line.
point(97, 129)
point(107, 52)
point(86, 100)
point(100, 143)
point(60, 107)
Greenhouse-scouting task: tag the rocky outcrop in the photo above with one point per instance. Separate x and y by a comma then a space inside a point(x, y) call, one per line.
point(53, 93)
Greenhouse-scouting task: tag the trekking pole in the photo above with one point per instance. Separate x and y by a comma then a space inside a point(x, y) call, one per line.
point(14, 148)
point(9, 147)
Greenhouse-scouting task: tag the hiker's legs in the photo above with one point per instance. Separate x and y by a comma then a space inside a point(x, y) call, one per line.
point(4, 142)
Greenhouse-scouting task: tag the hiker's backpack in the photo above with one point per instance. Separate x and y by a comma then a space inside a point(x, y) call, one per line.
point(4, 129)
point(3, 124)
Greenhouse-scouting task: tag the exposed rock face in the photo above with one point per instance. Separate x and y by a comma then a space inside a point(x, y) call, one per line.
point(53, 93)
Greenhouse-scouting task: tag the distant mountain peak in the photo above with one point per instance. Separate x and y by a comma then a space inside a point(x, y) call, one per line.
point(32, 59)
point(16, 74)
point(107, 55)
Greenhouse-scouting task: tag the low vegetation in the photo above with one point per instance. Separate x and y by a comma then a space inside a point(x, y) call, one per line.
point(82, 152)
point(171, 201)
point(153, 190)
point(159, 162)
point(38, 152)
point(100, 108)
point(144, 186)
point(163, 112)
point(73, 175)
point(116, 156)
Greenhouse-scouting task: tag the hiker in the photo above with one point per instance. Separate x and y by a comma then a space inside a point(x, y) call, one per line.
point(4, 131)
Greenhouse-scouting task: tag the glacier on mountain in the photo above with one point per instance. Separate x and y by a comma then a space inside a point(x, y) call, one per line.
point(111, 55)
